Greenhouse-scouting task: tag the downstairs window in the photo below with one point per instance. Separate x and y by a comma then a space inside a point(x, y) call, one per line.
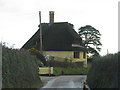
point(76, 54)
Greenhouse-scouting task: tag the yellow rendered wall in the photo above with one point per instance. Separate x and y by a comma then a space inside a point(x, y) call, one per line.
point(66, 54)
point(60, 54)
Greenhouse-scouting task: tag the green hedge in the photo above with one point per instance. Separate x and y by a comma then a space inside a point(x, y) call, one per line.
point(104, 72)
point(64, 64)
point(41, 62)
point(20, 69)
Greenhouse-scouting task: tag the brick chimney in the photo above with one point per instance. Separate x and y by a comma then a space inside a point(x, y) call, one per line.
point(51, 16)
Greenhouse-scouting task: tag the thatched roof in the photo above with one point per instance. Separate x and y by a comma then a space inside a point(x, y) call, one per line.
point(55, 37)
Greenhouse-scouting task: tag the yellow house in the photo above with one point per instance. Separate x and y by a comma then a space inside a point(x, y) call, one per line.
point(74, 56)
point(59, 39)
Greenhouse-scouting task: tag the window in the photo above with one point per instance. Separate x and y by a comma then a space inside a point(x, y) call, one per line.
point(84, 55)
point(76, 54)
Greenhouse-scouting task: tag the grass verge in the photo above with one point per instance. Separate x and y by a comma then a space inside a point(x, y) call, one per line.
point(70, 71)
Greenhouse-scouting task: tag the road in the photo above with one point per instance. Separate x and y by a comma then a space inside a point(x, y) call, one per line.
point(45, 79)
point(63, 82)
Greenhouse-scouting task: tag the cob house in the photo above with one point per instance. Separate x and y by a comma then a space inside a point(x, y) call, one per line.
point(59, 40)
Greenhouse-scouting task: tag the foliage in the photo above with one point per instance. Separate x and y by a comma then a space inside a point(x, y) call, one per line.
point(70, 71)
point(65, 64)
point(104, 72)
point(41, 58)
point(91, 39)
point(20, 69)
point(66, 59)
point(67, 68)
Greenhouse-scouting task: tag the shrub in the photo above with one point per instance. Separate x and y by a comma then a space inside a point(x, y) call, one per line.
point(55, 63)
point(20, 69)
point(41, 58)
point(104, 72)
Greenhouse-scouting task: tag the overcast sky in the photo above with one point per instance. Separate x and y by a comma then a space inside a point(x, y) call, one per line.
point(19, 19)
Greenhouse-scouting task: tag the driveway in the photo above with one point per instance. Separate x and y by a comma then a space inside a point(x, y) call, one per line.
point(64, 82)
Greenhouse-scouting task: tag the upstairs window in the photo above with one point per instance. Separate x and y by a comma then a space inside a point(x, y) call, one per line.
point(76, 54)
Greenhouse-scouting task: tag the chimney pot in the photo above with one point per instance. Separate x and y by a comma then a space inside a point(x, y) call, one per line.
point(51, 16)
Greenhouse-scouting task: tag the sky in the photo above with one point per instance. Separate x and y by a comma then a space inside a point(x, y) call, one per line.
point(19, 19)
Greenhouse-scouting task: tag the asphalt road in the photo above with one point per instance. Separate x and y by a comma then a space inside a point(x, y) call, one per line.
point(45, 79)
point(63, 82)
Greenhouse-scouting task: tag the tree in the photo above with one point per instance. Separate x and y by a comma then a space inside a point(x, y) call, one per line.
point(91, 39)
point(35, 52)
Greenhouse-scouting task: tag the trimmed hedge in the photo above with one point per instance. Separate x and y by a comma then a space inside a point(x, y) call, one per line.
point(20, 69)
point(104, 72)
point(65, 64)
